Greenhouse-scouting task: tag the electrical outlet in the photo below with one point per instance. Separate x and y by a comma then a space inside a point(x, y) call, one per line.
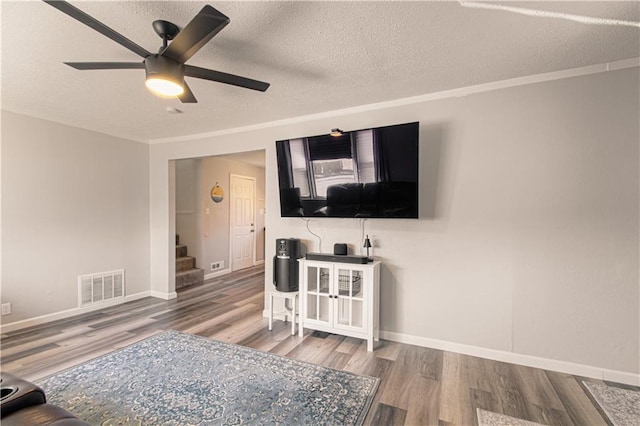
point(6, 308)
point(217, 265)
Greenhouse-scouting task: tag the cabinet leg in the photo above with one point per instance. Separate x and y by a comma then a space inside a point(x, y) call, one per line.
point(370, 345)
point(293, 316)
point(270, 311)
point(286, 310)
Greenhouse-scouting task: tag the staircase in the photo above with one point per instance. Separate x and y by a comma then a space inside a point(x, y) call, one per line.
point(186, 272)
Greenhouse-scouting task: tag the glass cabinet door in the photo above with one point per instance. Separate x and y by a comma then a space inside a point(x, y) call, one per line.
point(318, 290)
point(350, 303)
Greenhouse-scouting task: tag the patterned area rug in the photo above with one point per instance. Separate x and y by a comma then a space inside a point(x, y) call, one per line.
point(180, 379)
point(489, 418)
point(622, 406)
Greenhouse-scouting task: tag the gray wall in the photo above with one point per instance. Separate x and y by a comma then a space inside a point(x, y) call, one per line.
point(73, 202)
point(528, 238)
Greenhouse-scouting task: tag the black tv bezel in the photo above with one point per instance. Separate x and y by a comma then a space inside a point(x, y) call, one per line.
point(417, 182)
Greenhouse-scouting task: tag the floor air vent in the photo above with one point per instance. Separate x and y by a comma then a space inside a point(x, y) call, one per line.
point(103, 286)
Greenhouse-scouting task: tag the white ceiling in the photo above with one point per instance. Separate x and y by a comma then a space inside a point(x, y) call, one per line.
point(318, 56)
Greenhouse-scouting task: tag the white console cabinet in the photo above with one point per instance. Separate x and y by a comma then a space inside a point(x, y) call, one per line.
point(340, 298)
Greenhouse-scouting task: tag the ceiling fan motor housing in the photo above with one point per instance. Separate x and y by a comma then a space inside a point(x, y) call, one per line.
point(162, 67)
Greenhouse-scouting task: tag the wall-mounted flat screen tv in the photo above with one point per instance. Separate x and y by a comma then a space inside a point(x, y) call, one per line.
point(369, 173)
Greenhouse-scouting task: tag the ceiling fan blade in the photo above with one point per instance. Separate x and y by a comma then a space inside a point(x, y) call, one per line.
point(106, 65)
point(222, 77)
point(79, 15)
point(187, 97)
point(207, 23)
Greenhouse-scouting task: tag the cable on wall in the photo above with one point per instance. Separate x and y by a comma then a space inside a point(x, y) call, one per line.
point(361, 243)
point(314, 234)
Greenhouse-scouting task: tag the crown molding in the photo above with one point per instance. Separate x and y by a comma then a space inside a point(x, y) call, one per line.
point(446, 94)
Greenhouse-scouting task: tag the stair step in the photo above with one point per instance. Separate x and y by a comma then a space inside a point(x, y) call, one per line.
point(185, 263)
point(181, 251)
point(188, 278)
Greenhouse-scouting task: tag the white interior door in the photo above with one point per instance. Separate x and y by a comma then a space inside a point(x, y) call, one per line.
point(243, 234)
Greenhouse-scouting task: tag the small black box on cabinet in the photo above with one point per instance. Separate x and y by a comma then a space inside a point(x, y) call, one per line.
point(340, 249)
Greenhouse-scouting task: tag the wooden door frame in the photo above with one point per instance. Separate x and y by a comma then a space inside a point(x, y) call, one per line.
point(232, 210)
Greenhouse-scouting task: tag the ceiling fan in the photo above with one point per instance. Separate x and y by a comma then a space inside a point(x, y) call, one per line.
point(165, 70)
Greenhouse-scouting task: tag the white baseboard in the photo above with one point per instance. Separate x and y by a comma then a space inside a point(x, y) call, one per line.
point(621, 377)
point(493, 354)
point(19, 325)
point(515, 358)
point(217, 274)
point(226, 271)
point(164, 296)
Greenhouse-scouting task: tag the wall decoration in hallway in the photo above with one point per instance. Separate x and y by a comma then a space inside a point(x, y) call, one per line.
point(217, 194)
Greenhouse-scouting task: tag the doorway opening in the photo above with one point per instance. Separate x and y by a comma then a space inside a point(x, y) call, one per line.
point(220, 212)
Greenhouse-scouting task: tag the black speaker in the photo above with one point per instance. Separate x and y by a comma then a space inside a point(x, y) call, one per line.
point(340, 249)
point(285, 264)
point(288, 247)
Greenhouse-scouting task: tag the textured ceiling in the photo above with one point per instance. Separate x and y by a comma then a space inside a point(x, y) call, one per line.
point(318, 56)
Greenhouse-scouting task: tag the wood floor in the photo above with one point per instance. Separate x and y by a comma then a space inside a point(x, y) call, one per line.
point(419, 386)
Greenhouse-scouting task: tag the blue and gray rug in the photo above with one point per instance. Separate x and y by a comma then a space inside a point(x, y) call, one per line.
point(622, 406)
point(180, 379)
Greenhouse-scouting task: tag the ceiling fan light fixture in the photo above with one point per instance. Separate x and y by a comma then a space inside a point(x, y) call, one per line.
point(165, 77)
point(163, 87)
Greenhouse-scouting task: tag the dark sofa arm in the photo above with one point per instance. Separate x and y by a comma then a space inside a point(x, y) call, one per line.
point(18, 394)
point(24, 403)
point(40, 415)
